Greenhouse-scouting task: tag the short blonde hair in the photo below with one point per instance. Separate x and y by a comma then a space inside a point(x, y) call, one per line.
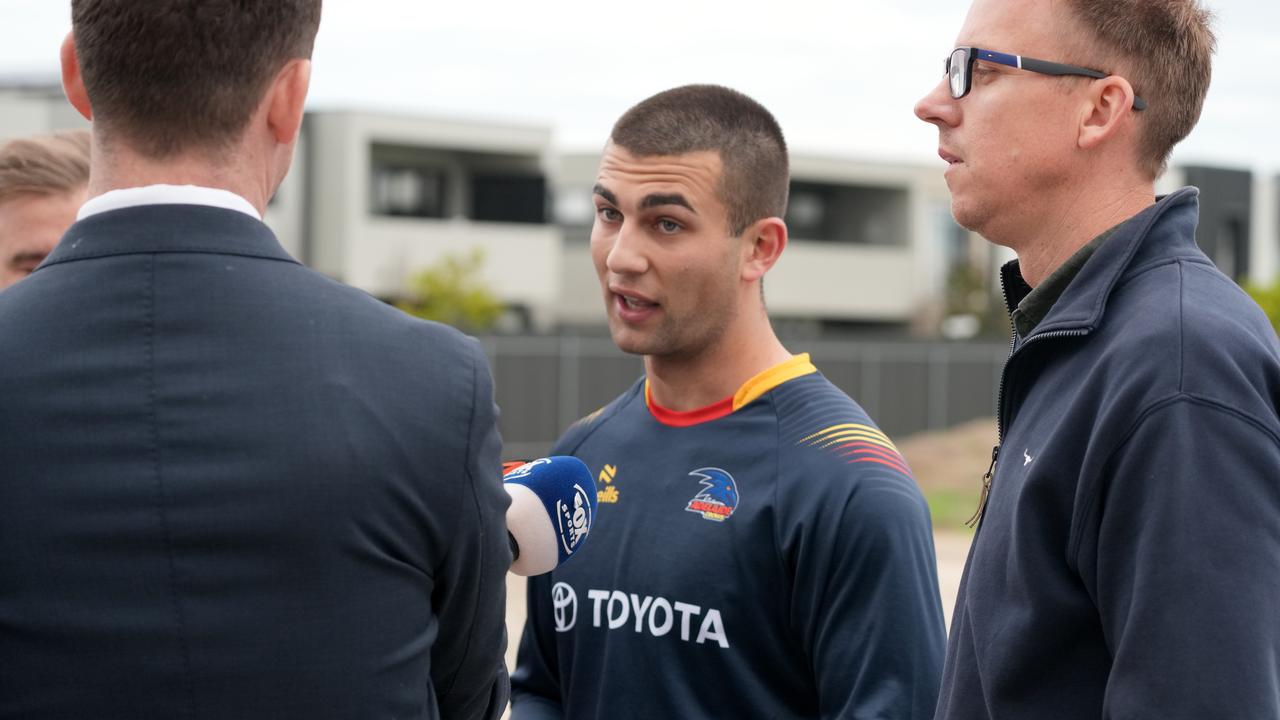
point(44, 164)
point(1165, 48)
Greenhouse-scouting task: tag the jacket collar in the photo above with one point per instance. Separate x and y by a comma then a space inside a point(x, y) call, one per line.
point(167, 229)
point(1162, 232)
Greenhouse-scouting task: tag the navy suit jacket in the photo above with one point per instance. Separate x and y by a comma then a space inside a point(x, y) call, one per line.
point(233, 488)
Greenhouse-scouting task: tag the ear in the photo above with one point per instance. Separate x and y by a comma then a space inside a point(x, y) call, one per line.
point(287, 98)
point(72, 81)
point(1108, 109)
point(763, 244)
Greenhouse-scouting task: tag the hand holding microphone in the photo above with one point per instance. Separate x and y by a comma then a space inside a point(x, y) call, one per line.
point(553, 503)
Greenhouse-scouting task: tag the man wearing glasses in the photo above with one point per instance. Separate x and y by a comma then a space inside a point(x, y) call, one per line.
point(1125, 563)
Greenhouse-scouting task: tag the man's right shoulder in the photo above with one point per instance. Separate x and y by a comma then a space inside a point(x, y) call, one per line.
point(584, 427)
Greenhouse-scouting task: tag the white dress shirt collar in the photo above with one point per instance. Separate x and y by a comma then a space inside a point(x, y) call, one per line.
point(166, 195)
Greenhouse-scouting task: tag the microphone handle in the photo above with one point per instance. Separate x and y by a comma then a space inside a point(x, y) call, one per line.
point(515, 547)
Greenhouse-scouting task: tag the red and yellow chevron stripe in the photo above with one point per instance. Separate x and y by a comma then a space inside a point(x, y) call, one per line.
point(858, 443)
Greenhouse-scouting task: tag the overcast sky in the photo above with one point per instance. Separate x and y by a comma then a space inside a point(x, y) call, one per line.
point(840, 76)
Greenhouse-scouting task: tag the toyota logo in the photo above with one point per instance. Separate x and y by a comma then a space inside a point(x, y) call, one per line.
point(564, 602)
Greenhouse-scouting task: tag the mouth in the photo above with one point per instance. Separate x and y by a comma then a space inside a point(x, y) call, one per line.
point(948, 157)
point(633, 305)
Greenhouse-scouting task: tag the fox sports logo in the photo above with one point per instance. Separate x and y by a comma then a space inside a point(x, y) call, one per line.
point(574, 517)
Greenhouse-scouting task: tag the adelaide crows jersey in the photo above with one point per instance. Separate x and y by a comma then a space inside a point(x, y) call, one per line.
point(766, 557)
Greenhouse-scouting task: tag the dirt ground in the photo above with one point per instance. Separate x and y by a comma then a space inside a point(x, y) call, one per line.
point(953, 459)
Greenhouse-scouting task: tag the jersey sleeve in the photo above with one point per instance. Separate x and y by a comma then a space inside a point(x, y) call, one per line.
point(535, 683)
point(1183, 561)
point(865, 599)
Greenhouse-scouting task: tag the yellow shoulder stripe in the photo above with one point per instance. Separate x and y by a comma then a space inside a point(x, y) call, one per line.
point(797, 366)
point(849, 431)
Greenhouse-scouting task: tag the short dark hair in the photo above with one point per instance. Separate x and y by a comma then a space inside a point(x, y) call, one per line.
point(44, 165)
point(755, 176)
point(170, 75)
point(1165, 49)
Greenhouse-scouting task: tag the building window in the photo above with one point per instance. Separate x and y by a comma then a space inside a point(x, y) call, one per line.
point(508, 198)
point(829, 212)
point(807, 211)
point(408, 191)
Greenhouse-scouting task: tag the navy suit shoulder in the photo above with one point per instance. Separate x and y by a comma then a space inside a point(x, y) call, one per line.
point(256, 492)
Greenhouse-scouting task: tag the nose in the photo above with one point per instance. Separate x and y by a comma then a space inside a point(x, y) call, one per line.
point(938, 107)
point(626, 256)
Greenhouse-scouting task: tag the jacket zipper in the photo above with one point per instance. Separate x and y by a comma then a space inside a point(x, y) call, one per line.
point(986, 490)
point(976, 520)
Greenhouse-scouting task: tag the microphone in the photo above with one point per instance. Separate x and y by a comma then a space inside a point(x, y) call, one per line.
point(553, 503)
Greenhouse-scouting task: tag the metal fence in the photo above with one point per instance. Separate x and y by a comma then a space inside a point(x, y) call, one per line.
point(543, 384)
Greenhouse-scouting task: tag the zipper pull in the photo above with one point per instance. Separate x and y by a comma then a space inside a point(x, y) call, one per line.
point(986, 490)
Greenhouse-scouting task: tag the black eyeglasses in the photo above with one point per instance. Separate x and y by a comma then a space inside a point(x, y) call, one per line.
point(960, 69)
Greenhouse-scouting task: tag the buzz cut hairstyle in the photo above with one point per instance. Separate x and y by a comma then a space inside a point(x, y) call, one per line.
point(168, 76)
point(44, 165)
point(1165, 49)
point(755, 176)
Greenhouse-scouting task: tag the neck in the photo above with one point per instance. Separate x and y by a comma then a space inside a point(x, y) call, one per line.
point(1074, 222)
point(121, 168)
point(747, 348)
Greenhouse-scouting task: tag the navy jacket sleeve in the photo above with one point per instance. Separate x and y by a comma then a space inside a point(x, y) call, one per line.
point(535, 684)
point(865, 598)
point(467, 665)
point(1183, 561)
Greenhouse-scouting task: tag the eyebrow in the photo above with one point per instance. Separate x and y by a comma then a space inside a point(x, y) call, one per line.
point(650, 201)
point(605, 193)
point(657, 200)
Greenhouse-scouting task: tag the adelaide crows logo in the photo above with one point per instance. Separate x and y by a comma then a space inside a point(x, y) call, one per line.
point(719, 496)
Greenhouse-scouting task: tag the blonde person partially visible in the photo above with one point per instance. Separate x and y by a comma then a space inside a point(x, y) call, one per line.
point(43, 181)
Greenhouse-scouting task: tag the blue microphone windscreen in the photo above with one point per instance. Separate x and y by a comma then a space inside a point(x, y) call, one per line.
point(568, 494)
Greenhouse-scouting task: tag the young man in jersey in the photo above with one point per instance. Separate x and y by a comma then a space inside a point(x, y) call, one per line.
point(761, 550)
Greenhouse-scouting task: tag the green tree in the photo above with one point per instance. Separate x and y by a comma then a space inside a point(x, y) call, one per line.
point(969, 291)
point(1267, 296)
point(451, 291)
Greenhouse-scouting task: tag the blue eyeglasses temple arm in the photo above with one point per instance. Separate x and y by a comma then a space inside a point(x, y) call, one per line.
point(1045, 67)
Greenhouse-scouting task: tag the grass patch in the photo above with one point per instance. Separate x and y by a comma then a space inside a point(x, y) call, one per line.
point(951, 507)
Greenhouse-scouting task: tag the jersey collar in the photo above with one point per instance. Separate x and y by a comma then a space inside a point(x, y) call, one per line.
point(763, 382)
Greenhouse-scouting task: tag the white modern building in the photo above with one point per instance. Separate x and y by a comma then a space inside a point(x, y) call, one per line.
point(388, 195)
point(30, 106)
